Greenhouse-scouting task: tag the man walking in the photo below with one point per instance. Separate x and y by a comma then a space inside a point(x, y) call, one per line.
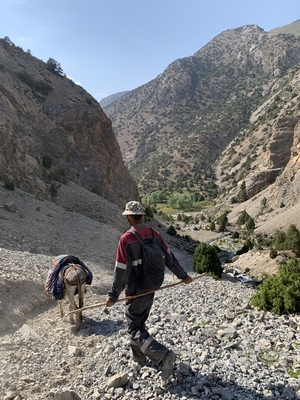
point(128, 276)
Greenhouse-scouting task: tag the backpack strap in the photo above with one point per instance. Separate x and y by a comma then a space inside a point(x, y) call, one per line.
point(137, 235)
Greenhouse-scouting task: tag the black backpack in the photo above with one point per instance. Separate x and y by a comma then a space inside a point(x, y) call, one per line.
point(152, 271)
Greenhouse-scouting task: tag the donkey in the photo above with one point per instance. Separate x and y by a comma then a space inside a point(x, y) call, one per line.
point(74, 277)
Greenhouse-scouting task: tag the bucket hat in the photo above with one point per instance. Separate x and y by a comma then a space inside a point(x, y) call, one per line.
point(134, 208)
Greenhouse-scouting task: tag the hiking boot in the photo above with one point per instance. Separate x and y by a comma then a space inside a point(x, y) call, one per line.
point(139, 362)
point(137, 366)
point(167, 364)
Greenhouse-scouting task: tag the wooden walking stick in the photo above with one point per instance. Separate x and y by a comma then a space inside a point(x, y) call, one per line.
point(135, 296)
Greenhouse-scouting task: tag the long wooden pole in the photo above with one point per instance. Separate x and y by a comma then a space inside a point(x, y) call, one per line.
point(133, 297)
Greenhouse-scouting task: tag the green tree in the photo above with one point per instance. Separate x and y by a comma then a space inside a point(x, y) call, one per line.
point(292, 240)
point(273, 253)
point(242, 195)
point(185, 201)
point(149, 212)
point(7, 41)
point(279, 240)
point(172, 202)
point(171, 231)
point(250, 224)
point(243, 217)
point(223, 220)
point(206, 259)
point(54, 66)
point(264, 202)
point(181, 201)
point(280, 293)
point(47, 161)
point(246, 247)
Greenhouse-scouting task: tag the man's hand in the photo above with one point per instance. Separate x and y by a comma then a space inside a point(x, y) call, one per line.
point(109, 302)
point(188, 279)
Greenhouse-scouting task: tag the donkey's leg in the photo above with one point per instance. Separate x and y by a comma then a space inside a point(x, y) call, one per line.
point(70, 293)
point(81, 298)
point(60, 306)
point(81, 288)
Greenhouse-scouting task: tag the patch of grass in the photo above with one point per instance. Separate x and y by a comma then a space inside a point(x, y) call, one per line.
point(269, 356)
point(39, 198)
point(294, 373)
point(203, 323)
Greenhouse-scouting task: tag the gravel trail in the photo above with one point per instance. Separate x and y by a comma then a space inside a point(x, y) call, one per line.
point(226, 350)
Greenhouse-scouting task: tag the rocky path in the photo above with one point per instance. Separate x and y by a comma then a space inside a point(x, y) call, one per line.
point(226, 350)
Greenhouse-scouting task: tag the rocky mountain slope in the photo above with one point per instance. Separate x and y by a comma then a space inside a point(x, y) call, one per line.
point(110, 99)
point(226, 348)
point(52, 131)
point(271, 179)
point(172, 130)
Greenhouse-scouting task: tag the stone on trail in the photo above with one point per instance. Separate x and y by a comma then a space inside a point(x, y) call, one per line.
point(67, 395)
point(118, 380)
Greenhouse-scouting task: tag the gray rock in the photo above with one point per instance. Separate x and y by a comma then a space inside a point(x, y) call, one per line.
point(118, 380)
point(67, 395)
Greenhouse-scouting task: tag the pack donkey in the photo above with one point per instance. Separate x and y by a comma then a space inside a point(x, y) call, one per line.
point(68, 277)
point(74, 277)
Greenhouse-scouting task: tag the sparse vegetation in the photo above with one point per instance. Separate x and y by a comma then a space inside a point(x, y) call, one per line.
point(171, 231)
point(9, 185)
point(289, 240)
point(206, 259)
point(47, 162)
point(280, 293)
point(54, 66)
point(59, 175)
point(43, 87)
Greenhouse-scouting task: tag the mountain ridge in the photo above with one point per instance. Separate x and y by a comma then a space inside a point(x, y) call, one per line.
point(173, 130)
point(110, 99)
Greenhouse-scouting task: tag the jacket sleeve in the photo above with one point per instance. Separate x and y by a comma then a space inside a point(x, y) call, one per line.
point(172, 263)
point(120, 272)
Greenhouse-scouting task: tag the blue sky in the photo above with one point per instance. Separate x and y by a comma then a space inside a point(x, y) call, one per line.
point(108, 46)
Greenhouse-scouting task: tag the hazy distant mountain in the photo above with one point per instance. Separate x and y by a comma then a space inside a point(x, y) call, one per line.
point(110, 99)
point(293, 28)
point(174, 130)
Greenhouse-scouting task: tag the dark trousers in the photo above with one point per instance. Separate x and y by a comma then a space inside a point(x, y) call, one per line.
point(142, 343)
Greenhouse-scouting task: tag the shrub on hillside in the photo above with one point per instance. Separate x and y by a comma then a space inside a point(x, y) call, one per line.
point(212, 226)
point(280, 293)
point(292, 240)
point(289, 240)
point(250, 224)
point(223, 220)
point(235, 235)
point(171, 231)
point(273, 253)
point(243, 217)
point(246, 247)
point(9, 185)
point(149, 212)
point(47, 161)
point(206, 259)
